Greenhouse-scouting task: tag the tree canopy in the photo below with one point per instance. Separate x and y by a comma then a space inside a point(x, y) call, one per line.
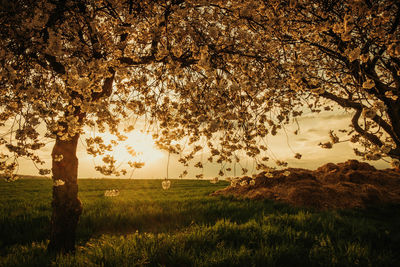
point(287, 56)
point(224, 71)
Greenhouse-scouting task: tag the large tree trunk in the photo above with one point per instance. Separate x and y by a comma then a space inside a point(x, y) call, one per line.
point(66, 205)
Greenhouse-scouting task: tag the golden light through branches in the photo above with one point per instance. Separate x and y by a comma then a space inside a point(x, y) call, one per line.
point(200, 69)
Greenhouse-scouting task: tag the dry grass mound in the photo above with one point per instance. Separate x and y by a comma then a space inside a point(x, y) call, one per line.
point(332, 186)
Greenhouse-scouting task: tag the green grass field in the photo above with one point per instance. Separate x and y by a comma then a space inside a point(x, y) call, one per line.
point(184, 226)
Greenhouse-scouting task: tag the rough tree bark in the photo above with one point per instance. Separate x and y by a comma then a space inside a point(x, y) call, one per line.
point(66, 205)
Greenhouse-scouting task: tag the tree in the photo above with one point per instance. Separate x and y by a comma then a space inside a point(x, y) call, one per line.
point(220, 73)
point(67, 65)
point(303, 54)
point(346, 52)
point(59, 62)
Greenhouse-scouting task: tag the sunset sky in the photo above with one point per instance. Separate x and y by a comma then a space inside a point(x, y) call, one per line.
point(314, 128)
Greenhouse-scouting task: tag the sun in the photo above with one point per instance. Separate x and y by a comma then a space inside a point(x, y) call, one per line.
point(138, 146)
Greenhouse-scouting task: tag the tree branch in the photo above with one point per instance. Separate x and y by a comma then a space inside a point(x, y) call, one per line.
point(346, 103)
point(107, 86)
point(54, 64)
point(371, 137)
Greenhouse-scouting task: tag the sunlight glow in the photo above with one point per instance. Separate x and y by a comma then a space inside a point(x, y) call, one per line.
point(139, 147)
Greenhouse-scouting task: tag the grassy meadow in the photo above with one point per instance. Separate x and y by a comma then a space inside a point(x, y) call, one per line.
point(184, 226)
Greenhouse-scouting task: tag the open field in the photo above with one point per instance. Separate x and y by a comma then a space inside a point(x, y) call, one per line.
point(184, 226)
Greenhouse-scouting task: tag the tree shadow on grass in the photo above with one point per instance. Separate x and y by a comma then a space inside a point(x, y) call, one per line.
point(23, 230)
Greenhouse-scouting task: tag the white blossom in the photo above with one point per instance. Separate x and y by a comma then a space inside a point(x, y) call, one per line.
point(58, 182)
point(368, 84)
point(58, 157)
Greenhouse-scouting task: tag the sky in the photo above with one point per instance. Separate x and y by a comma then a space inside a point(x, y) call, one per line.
point(314, 128)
